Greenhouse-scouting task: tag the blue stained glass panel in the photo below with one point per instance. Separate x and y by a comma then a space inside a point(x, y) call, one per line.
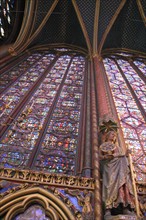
point(23, 133)
point(140, 66)
point(11, 98)
point(10, 76)
point(59, 147)
point(135, 81)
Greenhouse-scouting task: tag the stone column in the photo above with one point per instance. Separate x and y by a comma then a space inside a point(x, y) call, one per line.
point(95, 155)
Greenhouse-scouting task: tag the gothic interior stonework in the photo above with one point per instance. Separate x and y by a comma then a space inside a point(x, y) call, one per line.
point(72, 110)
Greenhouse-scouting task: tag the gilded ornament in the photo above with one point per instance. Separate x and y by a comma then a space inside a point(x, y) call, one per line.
point(46, 178)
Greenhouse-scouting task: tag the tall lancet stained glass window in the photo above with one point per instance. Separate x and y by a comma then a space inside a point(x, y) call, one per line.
point(127, 82)
point(41, 105)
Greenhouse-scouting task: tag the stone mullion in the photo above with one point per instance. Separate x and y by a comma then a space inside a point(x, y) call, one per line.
point(11, 83)
point(131, 90)
point(137, 70)
point(39, 141)
point(25, 99)
point(81, 142)
point(87, 152)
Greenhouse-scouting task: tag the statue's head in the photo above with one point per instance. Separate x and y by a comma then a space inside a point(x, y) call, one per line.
point(111, 136)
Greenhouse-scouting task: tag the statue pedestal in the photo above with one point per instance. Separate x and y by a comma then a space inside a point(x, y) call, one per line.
point(120, 217)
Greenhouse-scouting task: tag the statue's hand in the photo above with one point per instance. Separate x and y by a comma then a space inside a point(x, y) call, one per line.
point(129, 151)
point(108, 156)
point(115, 155)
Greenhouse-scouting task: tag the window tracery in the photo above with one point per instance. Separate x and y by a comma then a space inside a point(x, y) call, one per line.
point(44, 134)
point(134, 80)
point(23, 85)
point(62, 133)
point(141, 66)
point(9, 77)
point(127, 105)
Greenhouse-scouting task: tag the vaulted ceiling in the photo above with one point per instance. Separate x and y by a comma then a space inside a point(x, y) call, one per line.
point(95, 26)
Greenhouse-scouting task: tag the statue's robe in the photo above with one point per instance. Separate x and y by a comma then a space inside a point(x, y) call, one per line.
point(117, 184)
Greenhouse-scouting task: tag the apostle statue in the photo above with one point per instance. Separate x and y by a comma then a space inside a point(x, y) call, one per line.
point(116, 179)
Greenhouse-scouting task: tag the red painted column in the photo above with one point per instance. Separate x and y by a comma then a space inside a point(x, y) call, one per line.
point(100, 109)
point(104, 109)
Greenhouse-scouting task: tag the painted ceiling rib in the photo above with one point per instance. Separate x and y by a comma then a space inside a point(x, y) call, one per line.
point(110, 51)
point(44, 21)
point(35, 34)
point(26, 24)
point(143, 16)
point(34, 17)
point(96, 24)
point(112, 21)
point(83, 27)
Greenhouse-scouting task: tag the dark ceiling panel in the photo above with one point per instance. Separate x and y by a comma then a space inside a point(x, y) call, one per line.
point(62, 27)
point(41, 11)
point(128, 31)
point(143, 3)
point(87, 10)
point(107, 10)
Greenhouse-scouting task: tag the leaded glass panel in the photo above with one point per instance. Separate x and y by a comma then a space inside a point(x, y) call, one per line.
point(44, 134)
point(59, 146)
point(14, 94)
point(10, 76)
point(141, 66)
point(137, 84)
point(34, 212)
point(131, 119)
point(24, 132)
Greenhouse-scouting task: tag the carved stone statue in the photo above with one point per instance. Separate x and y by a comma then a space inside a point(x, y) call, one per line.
point(84, 200)
point(117, 185)
point(87, 210)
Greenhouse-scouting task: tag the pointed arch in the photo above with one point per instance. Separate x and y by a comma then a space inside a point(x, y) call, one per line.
point(19, 201)
point(38, 29)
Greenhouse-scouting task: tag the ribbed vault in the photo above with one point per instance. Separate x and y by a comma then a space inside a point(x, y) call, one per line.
point(95, 26)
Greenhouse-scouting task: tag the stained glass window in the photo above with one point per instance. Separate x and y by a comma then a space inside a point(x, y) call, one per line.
point(129, 93)
point(6, 17)
point(46, 94)
point(9, 77)
point(141, 66)
point(35, 212)
point(63, 128)
point(134, 81)
point(24, 85)
point(9, 11)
